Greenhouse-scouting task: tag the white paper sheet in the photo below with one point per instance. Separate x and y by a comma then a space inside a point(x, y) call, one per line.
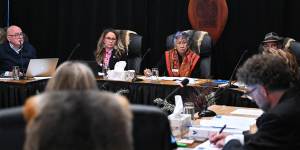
point(206, 146)
point(251, 112)
point(242, 123)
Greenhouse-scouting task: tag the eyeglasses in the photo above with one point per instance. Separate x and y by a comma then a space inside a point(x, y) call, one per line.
point(17, 35)
point(111, 39)
point(247, 94)
point(181, 42)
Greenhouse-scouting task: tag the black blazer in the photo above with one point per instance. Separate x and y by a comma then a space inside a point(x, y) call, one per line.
point(277, 129)
point(114, 59)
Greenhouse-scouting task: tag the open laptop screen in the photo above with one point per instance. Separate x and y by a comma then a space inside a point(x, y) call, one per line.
point(41, 67)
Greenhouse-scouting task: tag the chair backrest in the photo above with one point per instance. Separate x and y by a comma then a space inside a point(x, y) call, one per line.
point(133, 43)
point(2, 35)
point(151, 128)
point(295, 49)
point(201, 43)
point(12, 129)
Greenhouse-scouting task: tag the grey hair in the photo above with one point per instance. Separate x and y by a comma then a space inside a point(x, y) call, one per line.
point(72, 76)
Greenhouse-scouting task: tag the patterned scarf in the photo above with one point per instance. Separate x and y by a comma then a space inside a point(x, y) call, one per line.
point(175, 69)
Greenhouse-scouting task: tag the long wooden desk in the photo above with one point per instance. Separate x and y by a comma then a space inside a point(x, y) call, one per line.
point(14, 93)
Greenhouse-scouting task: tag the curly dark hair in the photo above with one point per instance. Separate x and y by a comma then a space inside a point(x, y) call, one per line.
point(267, 70)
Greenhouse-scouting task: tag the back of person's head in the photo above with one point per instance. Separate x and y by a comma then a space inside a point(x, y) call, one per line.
point(268, 70)
point(288, 57)
point(81, 120)
point(72, 76)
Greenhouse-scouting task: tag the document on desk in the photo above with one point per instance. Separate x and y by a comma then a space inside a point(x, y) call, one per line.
point(234, 122)
point(206, 146)
point(250, 112)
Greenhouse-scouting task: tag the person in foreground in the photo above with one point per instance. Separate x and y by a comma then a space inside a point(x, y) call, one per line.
point(68, 76)
point(269, 83)
point(81, 120)
point(15, 51)
point(180, 61)
point(110, 49)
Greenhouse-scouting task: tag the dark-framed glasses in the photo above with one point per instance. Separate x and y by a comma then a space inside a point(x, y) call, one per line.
point(110, 38)
point(247, 93)
point(17, 34)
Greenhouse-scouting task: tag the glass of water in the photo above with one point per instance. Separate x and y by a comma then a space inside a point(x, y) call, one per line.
point(15, 72)
point(155, 73)
point(105, 70)
point(189, 108)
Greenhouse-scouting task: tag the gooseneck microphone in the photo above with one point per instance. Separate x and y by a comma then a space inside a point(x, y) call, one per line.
point(235, 68)
point(146, 53)
point(221, 90)
point(164, 104)
point(21, 58)
point(182, 84)
point(73, 50)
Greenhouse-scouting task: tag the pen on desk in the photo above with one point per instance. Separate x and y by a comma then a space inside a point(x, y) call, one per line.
point(222, 129)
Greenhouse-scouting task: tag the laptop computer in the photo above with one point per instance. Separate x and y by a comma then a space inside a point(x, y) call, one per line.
point(41, 67)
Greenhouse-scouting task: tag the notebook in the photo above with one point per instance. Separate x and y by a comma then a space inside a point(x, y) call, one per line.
point(41, 67)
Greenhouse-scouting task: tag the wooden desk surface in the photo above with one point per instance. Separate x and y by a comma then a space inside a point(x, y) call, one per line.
point(20, 81)
point(162, 82)
point(221, 110)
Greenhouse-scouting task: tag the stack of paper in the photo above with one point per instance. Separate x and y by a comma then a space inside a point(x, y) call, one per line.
point(234, 122)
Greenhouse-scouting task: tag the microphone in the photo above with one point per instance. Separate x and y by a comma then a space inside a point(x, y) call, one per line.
point(147, 51)
point(235, 68)
point(145, 54)
point(73, 50)
point(183, 83)
point(164, 104)
point(21, 57)
point(221, 90)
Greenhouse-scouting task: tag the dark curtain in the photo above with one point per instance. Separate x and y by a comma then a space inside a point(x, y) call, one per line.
point(2, 12)
point(56, 26)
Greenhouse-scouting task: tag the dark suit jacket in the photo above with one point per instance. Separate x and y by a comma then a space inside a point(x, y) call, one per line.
point(114, 59)
point(279, 128)
point(9, 58)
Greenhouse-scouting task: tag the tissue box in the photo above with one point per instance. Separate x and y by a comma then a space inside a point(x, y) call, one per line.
point(180, 124)
point(120, 75)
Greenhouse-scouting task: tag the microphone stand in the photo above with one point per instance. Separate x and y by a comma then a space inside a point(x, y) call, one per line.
point(209, 113)
point(22, 65)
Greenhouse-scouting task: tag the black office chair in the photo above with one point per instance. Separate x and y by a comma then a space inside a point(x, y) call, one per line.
point(12, 129)
point(201, 43)
point(133, 43)
point(151, 129)
point(2, 35)
point(293, 46)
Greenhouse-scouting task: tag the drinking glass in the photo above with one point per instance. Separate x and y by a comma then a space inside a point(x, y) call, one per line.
point(15, 72)
point(155, 73)
point(189, 108)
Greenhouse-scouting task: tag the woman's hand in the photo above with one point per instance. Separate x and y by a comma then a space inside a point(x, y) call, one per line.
point(147, 72)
